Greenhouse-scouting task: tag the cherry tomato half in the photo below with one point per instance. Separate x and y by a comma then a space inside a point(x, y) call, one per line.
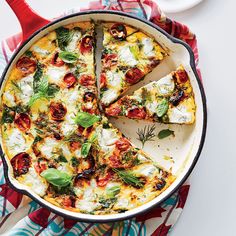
point(22, 122)
point(26, 65)
point(134, 75)
point(123, 144)
point(21, 163)
point(69, 79)
point(118, 31)
point(86, 80)
point(137, 113)
point(57, 111)
point(57, 61)
point(86, 44)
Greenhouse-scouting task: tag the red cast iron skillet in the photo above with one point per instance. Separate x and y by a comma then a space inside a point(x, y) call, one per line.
point(32, 24)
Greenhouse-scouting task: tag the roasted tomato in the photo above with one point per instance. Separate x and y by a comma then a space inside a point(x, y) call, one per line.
point(102, 181)
point(22, 122)
point(57, 61)
point(75, 145)
point(86, 44)
point(134, 75)
point(114, 110)
point(86, 80)
point(103, 80)
point(110, 60)
point(21, 163)
point(68, 201)
point(26, 65)
point(115, 162)
point(177, 97)
point(123, 144)
point(137, 113)
point(69, 79)
point(88, 97)
point(57, 111)
point(118, 31)
point(182, 76)
point(40, 166)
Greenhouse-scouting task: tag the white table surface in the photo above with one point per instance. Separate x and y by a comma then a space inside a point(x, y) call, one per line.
point(211, 205)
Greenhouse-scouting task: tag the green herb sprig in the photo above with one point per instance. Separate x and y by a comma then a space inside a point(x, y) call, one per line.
point(44, 90)
point(86, 119)
point(129, 178)
point(64, 36)
point(146, 134)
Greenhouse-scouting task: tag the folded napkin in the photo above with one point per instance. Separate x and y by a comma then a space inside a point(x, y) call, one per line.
point(22, 216)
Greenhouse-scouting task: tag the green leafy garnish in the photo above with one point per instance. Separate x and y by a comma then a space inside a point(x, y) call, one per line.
point(37, 76)
point(129, 178)
point(74, 161)
point(165, 133)
point(44, 90)
point(64, 36)
point(111, 192)
point(146, 134)
point(68, 57)
point(7, 115)
point(28, 53)
point(162, 107)
point(135, 51)
point(85, 149)
point(61, 158)
point(56, 177)
point(107, 202)
point(16, 86)
point(37, 139)
point(86, 119)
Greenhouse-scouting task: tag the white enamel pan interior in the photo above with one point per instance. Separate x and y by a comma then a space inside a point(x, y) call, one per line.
point(180, 153)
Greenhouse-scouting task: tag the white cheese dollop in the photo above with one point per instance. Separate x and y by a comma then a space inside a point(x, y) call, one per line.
point(48, 147)
point(41, 51)
point(35, 182)
point(109, 96)
point(152, 106)
point(126, 56)
point(9, 98)
point(26, 85)
point(72, 46)
point(55, 74)
point(148, 47)
point(106, 138)
point(16, 142)
point(179, 115)
point(114, 79)
point(165, 85)
point(146, 170)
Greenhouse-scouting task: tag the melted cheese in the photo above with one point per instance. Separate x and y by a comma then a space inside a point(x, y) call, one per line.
point(126, 56)
point(26, 85)
point(166, 85)
point(180, 115)
point(48, 147)
point(16, 142)
point(114, 79)
point(148, 47)
point(9, 98)
point(35, 182)
point(55, 74)
point(109, 96)
point(72, 46)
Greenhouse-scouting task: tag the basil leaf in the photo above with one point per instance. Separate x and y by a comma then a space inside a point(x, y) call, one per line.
point(34, 98)
point(52, 89)
point(37, 76)
point(162, 107)
point(7, 115)
point(85, 149)
point(68, 57)
point(64, 36)
point(111, 192)
point(165, 133)
point(28, 53)
point(56, 177)
point(86, 119)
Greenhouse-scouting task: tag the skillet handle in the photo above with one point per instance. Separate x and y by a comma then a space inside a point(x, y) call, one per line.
point(29, 20)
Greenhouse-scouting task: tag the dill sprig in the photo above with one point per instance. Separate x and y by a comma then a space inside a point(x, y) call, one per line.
point(129, 178)
point(146, 134)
